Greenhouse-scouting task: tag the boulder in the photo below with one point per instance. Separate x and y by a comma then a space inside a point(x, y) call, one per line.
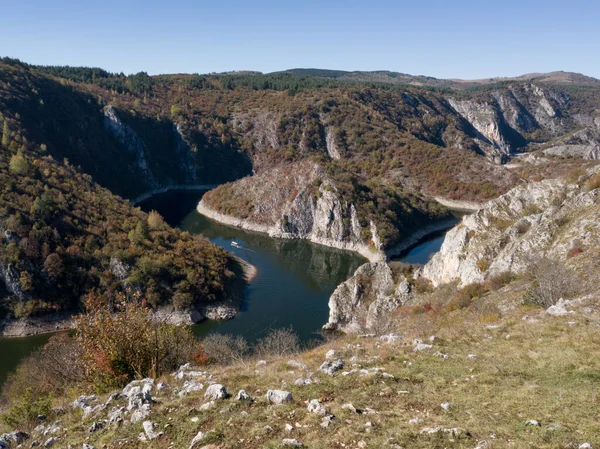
point(279, 396)
point(215, 391)
point(330, 367)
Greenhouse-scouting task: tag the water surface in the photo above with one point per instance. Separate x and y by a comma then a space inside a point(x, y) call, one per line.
point(294, 281)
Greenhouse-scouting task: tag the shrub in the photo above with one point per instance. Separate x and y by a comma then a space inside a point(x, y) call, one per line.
point(24, 413)
point(551, 280)
point(465, 296)
point(500, 280)
point(128, 343)
point(482, 265)
point(225, 348)
point(593, 182)
point(278, 342)
point(50, 370)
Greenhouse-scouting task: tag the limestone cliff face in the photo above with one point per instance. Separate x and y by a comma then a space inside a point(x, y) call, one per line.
point(131, 141)
point(502, 120)
point(583, 144)
point(361, 302)
point(299, 201)
point(547, 218)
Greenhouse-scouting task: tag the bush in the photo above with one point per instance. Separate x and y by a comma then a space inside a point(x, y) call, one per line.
point(24, 414)
point(465, 296)
point(500, 280)
point(593, 182)
point(277, 343)
point(127, 343)
point(225, 348)
point(50, 370)
point(551, 280)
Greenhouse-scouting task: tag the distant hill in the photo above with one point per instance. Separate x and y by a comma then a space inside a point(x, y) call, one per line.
point(385, 76)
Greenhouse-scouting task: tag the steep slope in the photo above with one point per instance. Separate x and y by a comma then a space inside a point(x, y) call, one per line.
point(553, 218)
point(302, 200)
point(63, 237)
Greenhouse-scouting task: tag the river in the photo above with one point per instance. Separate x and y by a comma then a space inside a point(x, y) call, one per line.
point(294, 281)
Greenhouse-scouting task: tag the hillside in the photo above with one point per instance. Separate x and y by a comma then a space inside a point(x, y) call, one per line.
point(64, 238)
point(383, 151)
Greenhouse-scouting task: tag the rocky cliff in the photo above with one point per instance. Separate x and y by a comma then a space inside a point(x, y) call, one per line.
point(364, 302)
point(287, 203)
point(302, 200)
point(554, 218)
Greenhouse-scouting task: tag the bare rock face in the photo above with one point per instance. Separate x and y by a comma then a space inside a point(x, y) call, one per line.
point(298, 201)
point(362, 301)
point(539, 219)
point(486, 119)
point(11, 278)
point(131, 141)
point(501, 120)
point(584, 144)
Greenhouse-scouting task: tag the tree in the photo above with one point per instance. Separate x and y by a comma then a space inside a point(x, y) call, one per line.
point(5, 134)
point(53, 266)
point(18, 164)
point(139, 234)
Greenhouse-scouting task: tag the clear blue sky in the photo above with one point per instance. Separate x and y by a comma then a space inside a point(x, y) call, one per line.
point(446, 39)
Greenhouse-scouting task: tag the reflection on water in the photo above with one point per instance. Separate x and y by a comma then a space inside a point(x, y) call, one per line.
point(295, 277)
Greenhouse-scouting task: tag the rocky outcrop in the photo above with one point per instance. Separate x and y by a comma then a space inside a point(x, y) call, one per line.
point(503, 119)
point(584, 144)
point(546, 218)
point(131, 141)
point(360, 302)
point(290, 205)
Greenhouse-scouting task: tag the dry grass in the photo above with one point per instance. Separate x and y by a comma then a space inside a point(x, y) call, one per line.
point(540, 368)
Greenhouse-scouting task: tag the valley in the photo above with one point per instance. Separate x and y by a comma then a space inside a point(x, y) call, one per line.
point(351, 278)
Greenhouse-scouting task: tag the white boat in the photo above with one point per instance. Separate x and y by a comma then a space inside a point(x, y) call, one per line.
point(235, 244)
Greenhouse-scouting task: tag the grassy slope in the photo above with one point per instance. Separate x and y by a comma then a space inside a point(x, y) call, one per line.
point(528, 365)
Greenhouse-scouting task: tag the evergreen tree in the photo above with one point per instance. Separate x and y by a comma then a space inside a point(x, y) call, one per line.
point(5, 134)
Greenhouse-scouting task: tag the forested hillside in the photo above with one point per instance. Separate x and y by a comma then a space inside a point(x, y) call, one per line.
point(63, 237)
point(385, 149)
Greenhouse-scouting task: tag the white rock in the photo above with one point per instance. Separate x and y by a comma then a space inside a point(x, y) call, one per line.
point(279, 396)
point(330, 367)
point(330, 354)
point(315, 406)
point(446, 406)
point(199, 436)
point(288, 442)
point(149, 429)
point(243, 396)
point(215, 391)
point(295, 364)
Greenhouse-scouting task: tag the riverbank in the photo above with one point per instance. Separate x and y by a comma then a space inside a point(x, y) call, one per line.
point(226, 308)
point(164, 189)
point(459, 205)
point(27, 327)
point(368, 252)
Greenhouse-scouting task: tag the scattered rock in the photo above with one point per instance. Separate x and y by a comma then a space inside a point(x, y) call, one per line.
point(279, 396)
point(391, 338)
point(288, 442)
point(215, 391)
point(190, 386)
point(330, 367)
point(330, 354)
point(243, 396)
point(447, 406)
point(149, 429)
point(327, 421)
point(289, 427)
point(295, 364)
point(533, 422)
point(199, 436)
point(315, 406)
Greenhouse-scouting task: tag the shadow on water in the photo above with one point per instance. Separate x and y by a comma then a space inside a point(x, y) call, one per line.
point(295, 277)
point(294, 282)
